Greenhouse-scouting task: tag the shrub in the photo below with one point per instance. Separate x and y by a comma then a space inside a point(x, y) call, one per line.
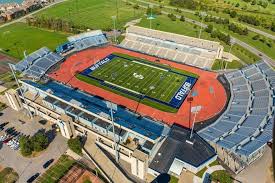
point(26, 147)
point(75, 145)
point(182, 18)
point(39, 142)
point(172, 17)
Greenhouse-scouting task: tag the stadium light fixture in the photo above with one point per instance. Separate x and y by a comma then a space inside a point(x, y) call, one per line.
point(195, 110)
point(151, 17)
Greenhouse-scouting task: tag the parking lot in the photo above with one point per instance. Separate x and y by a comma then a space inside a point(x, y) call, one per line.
point(21, 125)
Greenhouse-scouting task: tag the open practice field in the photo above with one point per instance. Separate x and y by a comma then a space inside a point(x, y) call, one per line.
point(207, 88)
point(95, 14)
point(141, 80)
point(19, 37)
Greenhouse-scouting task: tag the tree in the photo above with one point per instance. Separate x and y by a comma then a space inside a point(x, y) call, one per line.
point(75, 145)
point(256, 37)
point(273, 26)
point(182, 18)
point(25, 146)
point(39, 142)
point(233, 14)
point(209, 28)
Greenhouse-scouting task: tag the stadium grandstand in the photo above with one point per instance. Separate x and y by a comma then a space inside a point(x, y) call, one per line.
point(151, 140)
point(183, 49)
point(38, 63)
point(88, 39)
point(245, 128)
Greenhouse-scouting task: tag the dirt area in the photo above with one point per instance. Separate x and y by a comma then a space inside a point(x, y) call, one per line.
point(4, 60)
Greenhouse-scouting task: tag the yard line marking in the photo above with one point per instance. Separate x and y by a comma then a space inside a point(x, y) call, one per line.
point(122, 87)
point(155, 67)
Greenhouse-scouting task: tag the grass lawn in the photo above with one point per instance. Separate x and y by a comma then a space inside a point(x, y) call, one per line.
point(244, 55)
point(173, 179)
point(57, 171)
point(214, 163)
point(222, 176)
point(200, 173)
point(18, 37)
point(94, 14)
point(219, 65)
point(163, 23)
point(8, 175)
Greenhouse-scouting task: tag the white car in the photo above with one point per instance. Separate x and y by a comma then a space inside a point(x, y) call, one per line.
point(4, 137)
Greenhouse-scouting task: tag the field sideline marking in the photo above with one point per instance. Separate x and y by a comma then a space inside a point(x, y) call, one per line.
point(122, 87)
point(166, 70)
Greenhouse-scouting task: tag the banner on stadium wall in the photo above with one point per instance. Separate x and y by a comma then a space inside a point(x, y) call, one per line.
point(182, 92)
point(93, 67)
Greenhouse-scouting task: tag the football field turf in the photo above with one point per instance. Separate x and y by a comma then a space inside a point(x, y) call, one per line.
point(141, 80)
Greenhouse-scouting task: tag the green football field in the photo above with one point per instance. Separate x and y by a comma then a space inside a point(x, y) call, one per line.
point(140, 78)
point(151, 83)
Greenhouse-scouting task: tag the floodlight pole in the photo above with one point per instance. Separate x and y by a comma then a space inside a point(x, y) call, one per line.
point(232, 42)
point(21, 91)
point(192, 130)
point(202, 15)
point(114, 23)
point(113, 124)
point(151, 19)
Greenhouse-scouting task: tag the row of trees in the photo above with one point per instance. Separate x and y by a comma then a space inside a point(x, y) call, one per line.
point(249, 19)
point(217, 20)
point(189, 4)
point(36, 143)
point(253, 20)
point(218, 34)
point(238, 29)
point(55, 24)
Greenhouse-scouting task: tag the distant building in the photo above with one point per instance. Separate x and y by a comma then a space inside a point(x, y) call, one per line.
point(14, 13)
point(30, 6)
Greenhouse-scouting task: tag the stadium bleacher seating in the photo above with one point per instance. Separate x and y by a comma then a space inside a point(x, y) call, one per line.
point(179, 48)
point(246, 125)
point(38, 63)
point(88, 39)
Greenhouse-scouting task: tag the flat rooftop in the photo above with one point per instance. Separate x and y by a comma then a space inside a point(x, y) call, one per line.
point(175, 146)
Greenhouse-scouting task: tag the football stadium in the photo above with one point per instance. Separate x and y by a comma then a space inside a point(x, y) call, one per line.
point(148, 99)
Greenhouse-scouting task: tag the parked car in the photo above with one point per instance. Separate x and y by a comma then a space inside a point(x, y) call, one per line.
point(3, 137)
point(7, 140)
point(47, 164)
point(32, 178)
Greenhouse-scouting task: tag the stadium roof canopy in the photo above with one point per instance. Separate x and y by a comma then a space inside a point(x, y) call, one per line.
point(176, 149)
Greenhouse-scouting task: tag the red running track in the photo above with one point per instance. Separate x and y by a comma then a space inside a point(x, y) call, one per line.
point(211, 94)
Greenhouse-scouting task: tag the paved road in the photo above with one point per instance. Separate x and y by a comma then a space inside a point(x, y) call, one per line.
point(30, 14)
point(262, 55)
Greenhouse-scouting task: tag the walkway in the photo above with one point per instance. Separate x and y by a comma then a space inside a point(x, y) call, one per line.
point(104, 162)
